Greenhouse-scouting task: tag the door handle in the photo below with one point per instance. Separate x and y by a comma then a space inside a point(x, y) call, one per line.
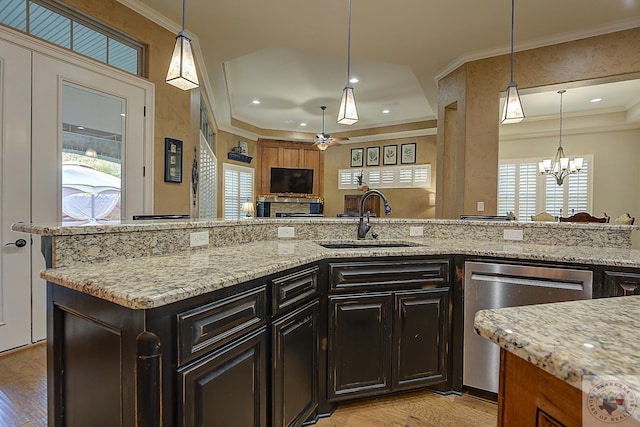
point(19, 243)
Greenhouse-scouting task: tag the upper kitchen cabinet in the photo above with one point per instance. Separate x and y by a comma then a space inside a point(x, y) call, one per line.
point(283, 154)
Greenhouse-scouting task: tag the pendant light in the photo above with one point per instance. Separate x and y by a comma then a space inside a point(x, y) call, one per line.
point(561, 166)
point(512, 112)
point(347, 113)
point(182, 69)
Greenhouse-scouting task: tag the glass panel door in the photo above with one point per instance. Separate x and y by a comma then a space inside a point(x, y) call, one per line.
point(92, 143)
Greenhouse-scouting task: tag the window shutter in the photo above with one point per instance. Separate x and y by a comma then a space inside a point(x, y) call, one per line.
point(578, 191)
point(554, 197)
point(238, 188)
point(527, 178)
point(208, 181)
point(506, 188)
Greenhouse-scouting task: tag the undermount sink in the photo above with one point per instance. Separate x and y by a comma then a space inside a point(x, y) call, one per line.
point(368, 244)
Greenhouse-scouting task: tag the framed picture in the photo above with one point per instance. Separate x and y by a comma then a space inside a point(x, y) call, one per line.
point(244, 147)
point(373, 156)
point(172, 160)
point(357, 157)
point(408, 153)
point(389, 154)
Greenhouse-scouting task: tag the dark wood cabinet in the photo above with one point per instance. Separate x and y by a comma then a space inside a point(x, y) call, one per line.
point(359, 345)
point(392, 331)
point(618, 283)
point(421, 331)
point(295, 366)
point(352, 204)
point(228, 387)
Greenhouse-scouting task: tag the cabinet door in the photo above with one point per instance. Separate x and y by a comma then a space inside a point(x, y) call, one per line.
point(295, 361)
point(269, 158)
point(619, 284)
point(359, 345)
point(228, 387)
point(421, 331)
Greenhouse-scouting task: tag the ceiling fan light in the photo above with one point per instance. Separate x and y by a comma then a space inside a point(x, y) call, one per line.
point(182, 69)
point(512, 112)
point(322, 146)
point(347, 114)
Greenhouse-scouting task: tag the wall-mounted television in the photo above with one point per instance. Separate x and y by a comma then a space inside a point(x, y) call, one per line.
point(290, 180)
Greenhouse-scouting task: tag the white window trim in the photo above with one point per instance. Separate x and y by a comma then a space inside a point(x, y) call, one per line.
point(403, 176)
point(226, 167)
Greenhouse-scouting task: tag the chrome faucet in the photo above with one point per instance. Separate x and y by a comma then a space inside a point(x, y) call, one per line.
point(363, 228)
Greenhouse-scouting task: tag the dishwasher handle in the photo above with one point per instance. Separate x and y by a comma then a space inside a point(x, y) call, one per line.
point(528, 281)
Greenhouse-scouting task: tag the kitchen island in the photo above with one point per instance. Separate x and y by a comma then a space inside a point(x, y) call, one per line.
point(568, 363)
point(179, 335)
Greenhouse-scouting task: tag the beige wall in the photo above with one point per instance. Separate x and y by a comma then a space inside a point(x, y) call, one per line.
point(476, 86)
point(406, 203)
point(224, 142)
point(616, 155)
point(173, 107)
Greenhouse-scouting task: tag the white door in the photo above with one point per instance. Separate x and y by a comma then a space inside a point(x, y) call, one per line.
point(43, 91)
point(81, 117)
point(15, 146)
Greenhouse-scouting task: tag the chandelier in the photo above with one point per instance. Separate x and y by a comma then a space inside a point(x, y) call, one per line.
point(561, 166)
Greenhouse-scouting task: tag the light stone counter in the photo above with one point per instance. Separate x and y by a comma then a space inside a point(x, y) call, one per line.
point(571, 339)
point(153, 281)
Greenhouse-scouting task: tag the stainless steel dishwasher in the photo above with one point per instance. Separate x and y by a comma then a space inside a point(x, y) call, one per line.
point(495, 285)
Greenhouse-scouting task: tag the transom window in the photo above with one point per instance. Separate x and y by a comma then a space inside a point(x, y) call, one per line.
point(70, 29)
point(523, 191)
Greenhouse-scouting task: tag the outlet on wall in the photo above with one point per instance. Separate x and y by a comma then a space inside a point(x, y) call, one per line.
point(416, 231)
point(480, 207)
point(286, 232)
point(199, 238)
point(513, 235)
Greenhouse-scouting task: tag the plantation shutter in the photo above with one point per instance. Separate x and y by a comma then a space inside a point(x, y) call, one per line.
point(527, 178)
point(506, 188)
point(238, 188)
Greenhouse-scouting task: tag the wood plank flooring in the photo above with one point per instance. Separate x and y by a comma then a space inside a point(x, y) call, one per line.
point(23, 387)
point(23, 401)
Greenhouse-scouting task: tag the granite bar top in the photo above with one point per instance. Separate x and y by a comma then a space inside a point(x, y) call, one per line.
point(571, 339)
point(153, 281)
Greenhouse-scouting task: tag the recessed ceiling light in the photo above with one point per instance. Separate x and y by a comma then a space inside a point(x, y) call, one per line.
point(596, 100)
point(303, 124)
point(353, 80)
point(255, 101)
point(385, 111)
point(80, 127)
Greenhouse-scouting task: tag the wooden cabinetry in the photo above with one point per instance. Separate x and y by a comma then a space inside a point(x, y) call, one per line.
point(391, 331)
point(618, 283)
point(352, 204)
point(283, 154)
point(531, 397)
point(228, 387)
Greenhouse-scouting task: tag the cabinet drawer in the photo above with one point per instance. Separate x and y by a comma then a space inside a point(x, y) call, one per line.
point(389, 274)
point(205, 328)
point(618, 283)
point(294, 289)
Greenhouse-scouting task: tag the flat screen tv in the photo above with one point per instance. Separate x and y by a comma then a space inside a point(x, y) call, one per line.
point(290, 180)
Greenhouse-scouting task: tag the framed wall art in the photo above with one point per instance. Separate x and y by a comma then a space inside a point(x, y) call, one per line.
point(408, 153)
point(357, 157)
point(172, 160)
point(389, 154)
point(373, 156)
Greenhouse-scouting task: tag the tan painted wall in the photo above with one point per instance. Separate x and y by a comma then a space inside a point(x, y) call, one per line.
point(224, 142)
point(406, 203)
point(616, 174)
point(476, 85)
point(173, 106)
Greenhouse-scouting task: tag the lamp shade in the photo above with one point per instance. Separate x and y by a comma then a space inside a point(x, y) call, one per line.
point(347, 114)
point(512, 112)
point(182, 69)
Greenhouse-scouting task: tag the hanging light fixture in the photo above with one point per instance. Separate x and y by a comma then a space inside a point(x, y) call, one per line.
point(512, 112)
point(347, 114)
point(561, 166)
point(182, 69)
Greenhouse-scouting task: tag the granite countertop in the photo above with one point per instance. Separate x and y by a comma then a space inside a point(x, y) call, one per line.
point(571, 339)
point(153, 281)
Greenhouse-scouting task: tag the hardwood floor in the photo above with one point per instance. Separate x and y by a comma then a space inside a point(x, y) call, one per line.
point(23, 401)
point(417, 409)
point(23, 387)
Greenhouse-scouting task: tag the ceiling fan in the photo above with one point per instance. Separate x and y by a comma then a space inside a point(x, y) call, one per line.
point(324, 140)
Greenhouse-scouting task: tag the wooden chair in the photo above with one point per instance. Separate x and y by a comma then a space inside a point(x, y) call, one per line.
point(543, 216)
point(584, 217)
